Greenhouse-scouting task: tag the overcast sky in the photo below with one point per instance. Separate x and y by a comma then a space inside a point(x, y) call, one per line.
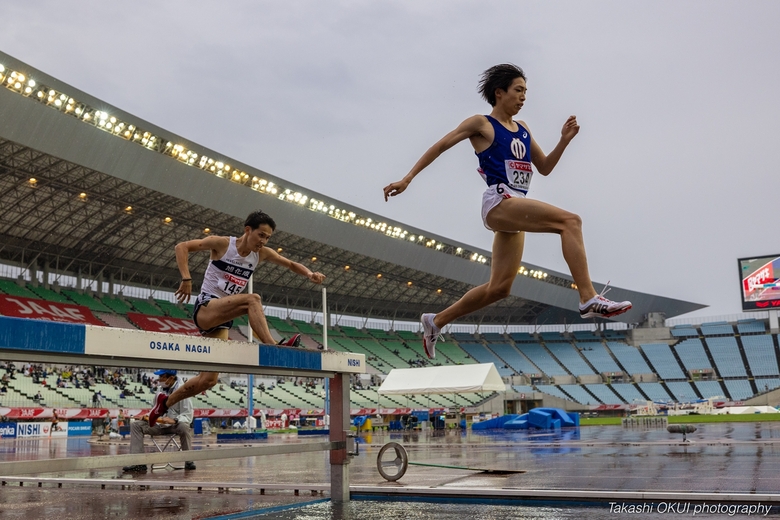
point(673, 171)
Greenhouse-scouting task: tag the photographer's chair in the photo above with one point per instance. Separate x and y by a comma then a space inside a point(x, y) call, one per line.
point(171, 445)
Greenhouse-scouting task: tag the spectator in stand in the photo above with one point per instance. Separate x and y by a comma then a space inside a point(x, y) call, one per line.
point(177, 420)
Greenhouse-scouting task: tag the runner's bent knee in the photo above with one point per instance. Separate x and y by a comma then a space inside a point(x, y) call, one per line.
point(572, 222)
point(499, 291)
point(209, 378)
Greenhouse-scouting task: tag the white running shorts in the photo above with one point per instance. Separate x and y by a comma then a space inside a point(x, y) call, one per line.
point(493, 196)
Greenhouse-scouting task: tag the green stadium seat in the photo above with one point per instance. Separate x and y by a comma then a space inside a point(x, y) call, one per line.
point(407, 334)
point(452, 351)
point(171, 309)
point(382, 334)
point(280, 325)
point(352, 332)
point(11, 288)
point(85, 300)
point(116, 304)
point(48, 294)
point(306, 328)
point(144, 307)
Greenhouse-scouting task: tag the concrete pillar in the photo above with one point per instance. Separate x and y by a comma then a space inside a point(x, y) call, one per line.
point(773, 321)
point(46, 275)
point(34, 273)
point(339, 426)
point(111, 285)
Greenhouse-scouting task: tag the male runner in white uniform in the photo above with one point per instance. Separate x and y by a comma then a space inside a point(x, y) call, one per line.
point(233, 260)
point(506, 211)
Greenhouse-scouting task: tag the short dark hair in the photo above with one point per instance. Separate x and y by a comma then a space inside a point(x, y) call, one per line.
point(258, 217)
point(498, 76)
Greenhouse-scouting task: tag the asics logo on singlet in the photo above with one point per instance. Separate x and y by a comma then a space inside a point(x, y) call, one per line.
point(518, 148)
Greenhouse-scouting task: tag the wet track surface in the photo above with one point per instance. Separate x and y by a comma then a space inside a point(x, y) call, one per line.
point(730, 457)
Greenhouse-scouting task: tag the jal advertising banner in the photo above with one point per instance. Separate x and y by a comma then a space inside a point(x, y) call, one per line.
point(48, 413)
point(164, 324)
point(19, 307)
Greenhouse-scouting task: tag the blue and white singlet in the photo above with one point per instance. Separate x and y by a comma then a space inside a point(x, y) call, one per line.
point(508, 159)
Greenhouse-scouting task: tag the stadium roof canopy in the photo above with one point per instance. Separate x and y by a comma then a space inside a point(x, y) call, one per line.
point(112, 194)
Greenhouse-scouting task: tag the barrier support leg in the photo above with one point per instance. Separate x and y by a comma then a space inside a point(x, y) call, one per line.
point(339, 425)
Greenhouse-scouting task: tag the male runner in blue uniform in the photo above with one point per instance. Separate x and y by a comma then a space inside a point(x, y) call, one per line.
point(506, 149)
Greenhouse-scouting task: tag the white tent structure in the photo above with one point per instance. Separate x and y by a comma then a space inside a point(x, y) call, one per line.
point(455, 379)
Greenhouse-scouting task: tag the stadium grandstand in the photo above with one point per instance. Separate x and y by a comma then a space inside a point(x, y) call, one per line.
point(93, 200)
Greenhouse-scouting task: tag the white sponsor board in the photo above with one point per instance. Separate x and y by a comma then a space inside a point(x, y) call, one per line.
point(350, 362)
point(41, 429)
point(137, 344)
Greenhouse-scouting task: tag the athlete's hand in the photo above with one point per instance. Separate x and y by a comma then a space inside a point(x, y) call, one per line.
point(316, 277)
point(396, 188)
point(570, 128)
point(184, 292)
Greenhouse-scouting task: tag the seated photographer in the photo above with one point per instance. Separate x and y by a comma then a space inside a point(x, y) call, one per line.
point(177, 420)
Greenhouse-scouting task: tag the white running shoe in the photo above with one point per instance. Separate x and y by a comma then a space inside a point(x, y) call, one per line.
point(430, 334)
point(601, 307)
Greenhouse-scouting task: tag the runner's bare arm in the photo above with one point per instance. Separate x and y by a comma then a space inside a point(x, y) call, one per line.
point(471, 127)
point(546, 163)
point(269, 255)
point(217, 245)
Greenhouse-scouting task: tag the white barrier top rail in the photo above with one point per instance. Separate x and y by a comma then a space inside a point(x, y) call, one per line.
point(53, 342)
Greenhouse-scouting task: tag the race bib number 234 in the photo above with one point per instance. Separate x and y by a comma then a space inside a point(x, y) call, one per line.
point(518, 174)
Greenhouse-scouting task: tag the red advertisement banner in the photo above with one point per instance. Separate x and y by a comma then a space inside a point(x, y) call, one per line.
point(164, 324)
point(48, 413)
point(216, 413)
point(760, 277)
point(19, 307)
